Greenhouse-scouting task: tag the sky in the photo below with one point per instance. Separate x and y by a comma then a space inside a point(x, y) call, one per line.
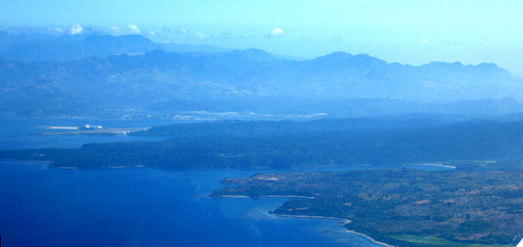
point(405, 31)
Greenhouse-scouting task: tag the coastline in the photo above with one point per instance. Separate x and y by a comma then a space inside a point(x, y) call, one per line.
point(436, 165)
point(371, 239)
point(70, 130)
point(109, 167)
point(342, 220)
point(267, 196)
point(231, 196)
point(345, 221)
point(277, 196)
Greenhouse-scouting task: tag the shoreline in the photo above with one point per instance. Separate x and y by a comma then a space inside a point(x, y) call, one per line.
point(371, 239)
point(109, 167)
point(436, 165)
point(278, 196)
point(78, 131)
point(342, 220)
point(267, 196)
point(230, 196)
point(345, 221)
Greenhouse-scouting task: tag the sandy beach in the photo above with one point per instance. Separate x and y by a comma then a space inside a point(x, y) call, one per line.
point(277, 196)
point(232, 196)
point(345, 221)
point(437, 165)
point(371, 239)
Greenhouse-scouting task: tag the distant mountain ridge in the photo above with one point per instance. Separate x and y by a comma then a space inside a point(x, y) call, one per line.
point(254, 79)
point(44, 48)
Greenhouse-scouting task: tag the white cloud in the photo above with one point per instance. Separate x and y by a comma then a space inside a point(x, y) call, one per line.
point(202, 35)
point(152, 33)
point(75, 29)
point(133, 28)
point(58, 30)
point(276, 32)
point(116, 29)
point(175, 32)
point(425, 40)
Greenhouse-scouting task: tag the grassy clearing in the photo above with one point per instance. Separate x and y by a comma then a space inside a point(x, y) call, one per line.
point(439, 241)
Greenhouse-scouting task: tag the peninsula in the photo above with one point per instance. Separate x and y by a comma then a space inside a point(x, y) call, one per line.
point(404, 207)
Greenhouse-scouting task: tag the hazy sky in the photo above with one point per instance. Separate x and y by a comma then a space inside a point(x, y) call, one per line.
point(408, 31)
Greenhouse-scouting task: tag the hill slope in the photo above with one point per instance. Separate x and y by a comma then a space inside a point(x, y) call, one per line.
point(160, 81)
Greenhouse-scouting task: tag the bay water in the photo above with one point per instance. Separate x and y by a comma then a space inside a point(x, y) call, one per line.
point(136, 206)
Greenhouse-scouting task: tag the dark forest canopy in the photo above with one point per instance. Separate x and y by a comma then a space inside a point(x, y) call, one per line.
point(457, 143)
point(286, 127)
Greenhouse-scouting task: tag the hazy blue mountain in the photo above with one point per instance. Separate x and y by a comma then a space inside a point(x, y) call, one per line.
point(247, 80)
point(180, 48)
point(34, 47)
point(74, 47)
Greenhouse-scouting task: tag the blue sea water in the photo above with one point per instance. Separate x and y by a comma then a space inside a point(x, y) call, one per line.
point(145, 207)
point(137, 206)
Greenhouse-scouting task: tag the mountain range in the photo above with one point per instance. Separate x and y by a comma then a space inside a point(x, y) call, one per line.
point(44, 75)
point(34, 47)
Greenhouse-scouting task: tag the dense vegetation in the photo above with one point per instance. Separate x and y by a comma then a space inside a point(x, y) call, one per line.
point(353, 146)
point(479, 202)
point(393, 205)
point(287, 127)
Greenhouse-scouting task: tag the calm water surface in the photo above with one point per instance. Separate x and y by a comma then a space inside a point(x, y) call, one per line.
point(136, 206)
point(145, 207)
